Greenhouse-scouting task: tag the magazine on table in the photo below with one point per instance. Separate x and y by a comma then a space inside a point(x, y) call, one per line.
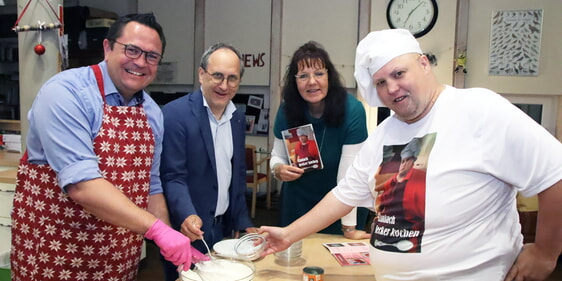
point(349, 253)
point(302, 148)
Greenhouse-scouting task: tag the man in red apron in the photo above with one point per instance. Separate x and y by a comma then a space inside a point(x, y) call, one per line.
point(88, 186)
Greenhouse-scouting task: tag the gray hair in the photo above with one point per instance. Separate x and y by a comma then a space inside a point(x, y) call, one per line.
point(205, 58)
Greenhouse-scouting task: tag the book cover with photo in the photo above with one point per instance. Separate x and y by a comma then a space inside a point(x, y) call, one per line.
point(302, 148)
point(349, 253)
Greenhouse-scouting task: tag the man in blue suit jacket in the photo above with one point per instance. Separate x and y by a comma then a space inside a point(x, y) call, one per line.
point(203, 168)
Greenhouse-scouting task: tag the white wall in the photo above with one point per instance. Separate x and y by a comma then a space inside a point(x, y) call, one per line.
point(35, 69)
point(546, 88)
point(332, 23)
point(440, 40)
point(548, 82)
point(177, 20)
point(246, 24)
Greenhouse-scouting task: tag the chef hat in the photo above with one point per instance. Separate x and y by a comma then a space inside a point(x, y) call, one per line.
point(412, 149)
point(376, 50)
point(302, 132)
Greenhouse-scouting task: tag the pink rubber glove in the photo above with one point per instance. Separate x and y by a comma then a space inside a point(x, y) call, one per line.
point(198, 256)
point(174, 246)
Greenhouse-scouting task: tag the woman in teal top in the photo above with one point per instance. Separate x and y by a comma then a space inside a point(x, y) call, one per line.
point(314, 94)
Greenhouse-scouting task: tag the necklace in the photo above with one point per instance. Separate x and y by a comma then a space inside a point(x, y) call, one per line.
point(322, 141)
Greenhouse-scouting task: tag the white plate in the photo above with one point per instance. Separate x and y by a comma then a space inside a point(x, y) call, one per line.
point(225, 248)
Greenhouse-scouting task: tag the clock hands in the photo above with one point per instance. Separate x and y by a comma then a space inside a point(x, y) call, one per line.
point(417, 16)
point(409, 14)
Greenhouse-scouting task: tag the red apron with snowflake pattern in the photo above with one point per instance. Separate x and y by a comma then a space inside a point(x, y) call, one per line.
point(53, 238)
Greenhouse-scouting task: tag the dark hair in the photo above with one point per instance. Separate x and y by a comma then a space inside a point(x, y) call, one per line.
point(148, 19)
point(205, 58)
point(313, 54)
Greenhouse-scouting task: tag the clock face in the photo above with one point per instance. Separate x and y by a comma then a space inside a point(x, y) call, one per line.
point(417, 16)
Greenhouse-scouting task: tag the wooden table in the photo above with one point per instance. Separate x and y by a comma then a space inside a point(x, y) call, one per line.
point(314, 254)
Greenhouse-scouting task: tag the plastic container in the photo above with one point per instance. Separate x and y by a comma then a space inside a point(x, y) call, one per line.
point(290, 256)
point(219, 269)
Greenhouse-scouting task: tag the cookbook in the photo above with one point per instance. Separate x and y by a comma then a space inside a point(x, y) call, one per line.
point(349, 253)
point(302, 148)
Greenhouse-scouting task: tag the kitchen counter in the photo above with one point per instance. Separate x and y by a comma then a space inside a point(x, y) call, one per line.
point(314, 254)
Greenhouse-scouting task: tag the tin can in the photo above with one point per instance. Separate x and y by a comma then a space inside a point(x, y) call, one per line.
point(312, 273)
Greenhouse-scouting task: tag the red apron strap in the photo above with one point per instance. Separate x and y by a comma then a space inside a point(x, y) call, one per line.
point(24, 156)
point(99, 79)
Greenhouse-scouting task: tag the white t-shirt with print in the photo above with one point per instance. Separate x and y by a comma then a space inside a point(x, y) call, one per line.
point(485, 150)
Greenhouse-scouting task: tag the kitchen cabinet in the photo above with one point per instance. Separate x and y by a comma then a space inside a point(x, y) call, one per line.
point(86, 28)
point(9, 79)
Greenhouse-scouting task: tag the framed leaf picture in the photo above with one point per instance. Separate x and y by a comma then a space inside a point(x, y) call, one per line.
point(515, 42)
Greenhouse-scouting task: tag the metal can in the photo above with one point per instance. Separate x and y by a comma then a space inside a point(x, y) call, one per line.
point(312, 273)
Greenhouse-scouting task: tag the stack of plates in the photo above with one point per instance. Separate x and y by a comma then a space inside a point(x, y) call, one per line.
point(225, 248)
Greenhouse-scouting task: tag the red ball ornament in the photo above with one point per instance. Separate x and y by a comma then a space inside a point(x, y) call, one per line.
point(39, 49)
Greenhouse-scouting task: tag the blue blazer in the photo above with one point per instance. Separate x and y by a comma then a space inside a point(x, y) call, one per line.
point(188, 168)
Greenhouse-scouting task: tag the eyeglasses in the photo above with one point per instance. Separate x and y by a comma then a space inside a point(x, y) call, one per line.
point(305, 76)
point(133, 52)
point(217, 78)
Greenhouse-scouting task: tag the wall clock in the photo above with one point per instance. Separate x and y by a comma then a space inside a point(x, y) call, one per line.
point(417, 16)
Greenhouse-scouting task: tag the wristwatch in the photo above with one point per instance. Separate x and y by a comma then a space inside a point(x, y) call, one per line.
point(273, 171)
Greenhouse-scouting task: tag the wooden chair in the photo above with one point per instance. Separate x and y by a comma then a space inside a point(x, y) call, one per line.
point(254, 176)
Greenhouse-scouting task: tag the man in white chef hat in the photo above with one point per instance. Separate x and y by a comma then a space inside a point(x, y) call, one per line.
point(475, 141)
point(408, 156)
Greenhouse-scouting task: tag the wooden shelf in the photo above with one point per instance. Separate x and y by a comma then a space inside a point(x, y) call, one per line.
point(12, 125)
point(8, 121)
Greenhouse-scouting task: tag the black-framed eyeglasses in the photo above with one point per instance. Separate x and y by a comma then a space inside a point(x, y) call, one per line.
point(133, 52)
point(305, 76)
point(217, 78)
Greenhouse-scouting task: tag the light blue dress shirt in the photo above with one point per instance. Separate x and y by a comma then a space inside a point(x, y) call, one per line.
point(66, 117)
point(224, 149)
